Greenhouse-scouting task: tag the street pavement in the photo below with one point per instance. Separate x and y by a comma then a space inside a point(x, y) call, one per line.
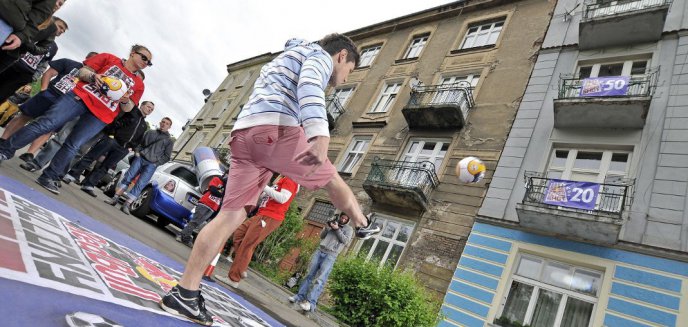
point(72, 252)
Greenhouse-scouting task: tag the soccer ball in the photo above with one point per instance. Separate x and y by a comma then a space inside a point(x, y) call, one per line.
point(114, 87)
point(470, 170)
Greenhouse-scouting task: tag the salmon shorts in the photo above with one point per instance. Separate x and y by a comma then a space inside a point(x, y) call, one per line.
point(259, 151)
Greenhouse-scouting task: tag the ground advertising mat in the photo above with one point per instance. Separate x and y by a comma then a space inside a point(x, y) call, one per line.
point(56, 261)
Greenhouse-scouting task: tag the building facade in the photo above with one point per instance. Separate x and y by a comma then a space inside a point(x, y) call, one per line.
point(585, 222)
point(432, 88)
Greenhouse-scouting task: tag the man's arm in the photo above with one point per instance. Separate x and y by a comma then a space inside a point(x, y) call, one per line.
point(168, 152)
point(47, 76)
point(343, 235)
point(282, 196)
point(40, 11)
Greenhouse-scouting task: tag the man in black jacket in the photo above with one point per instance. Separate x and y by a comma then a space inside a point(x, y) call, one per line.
point(123, 134)
point(155, 150)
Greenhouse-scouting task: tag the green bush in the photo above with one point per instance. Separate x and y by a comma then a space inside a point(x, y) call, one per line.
point(365, 295)
point(276, 246)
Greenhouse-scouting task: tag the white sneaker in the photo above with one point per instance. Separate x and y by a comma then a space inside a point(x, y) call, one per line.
point(227, 281)
point(244, 275)
point(294, 298)
point(305, 306)
point(229, 258)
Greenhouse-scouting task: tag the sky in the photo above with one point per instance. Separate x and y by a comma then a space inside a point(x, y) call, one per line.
point(193, 41)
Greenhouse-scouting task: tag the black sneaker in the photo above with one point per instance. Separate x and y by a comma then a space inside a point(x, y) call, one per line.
point(30, 166)
point(48, 184)
point(112, 201)
point(193, 309)
point(125, 209)
point(367, 232)
point(26, 157)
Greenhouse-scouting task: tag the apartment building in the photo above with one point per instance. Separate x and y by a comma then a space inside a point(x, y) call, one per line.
point(585, 222)
point(432, 88)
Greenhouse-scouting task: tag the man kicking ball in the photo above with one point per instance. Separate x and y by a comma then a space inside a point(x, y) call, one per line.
point(282, 128)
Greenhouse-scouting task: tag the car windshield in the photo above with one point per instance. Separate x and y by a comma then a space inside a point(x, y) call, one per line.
point(186, 175)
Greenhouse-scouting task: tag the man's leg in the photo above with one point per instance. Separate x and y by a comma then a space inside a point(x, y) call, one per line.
point(326, 264)
point(8, 109)
point(87, 126)
point(59, 114)
point(14, 125)
point(209, 240)
point(102, 147)
point(255, 234)
point(116, 154)
point(201, 214)
point(312, 271)
point(147, 170)
point(37, 144)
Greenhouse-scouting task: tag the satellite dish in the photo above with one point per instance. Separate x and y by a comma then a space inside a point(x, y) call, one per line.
point(207, 92)
point(415, 82)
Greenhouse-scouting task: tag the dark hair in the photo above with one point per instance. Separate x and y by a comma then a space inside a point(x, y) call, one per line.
point(138, 47)
point(91, 54)
point(168, 119)
point(58, 19)
point(141, 74)
point(144, 102)
point(335, 42)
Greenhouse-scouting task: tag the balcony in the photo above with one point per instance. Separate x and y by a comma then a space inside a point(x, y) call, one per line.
point(613, 23)
point(600, 225)
point(586, 102)
point(401, 184)
point(334, 110)
point(439, 106)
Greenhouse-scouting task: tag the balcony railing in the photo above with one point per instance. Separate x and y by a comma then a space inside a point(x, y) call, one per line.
point(459, 94)
point(638, 86)
point(602, 8)
point(614, 197)
point(334, 108)
point(417, 176)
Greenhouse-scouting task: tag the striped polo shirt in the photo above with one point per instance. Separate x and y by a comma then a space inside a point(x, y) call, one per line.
point(290, 90)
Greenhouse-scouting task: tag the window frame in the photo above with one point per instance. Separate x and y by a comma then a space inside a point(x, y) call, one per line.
point(313, 207)
point(625, 71)
point(384, 94)
point(422, 141)
point(350, 149)
point(391, 241)
point(364, 50)
point(538, 285)
point(478, 25)
point(416, 46)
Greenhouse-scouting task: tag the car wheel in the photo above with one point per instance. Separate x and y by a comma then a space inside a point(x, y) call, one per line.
point(141, 206)
point(111, 187)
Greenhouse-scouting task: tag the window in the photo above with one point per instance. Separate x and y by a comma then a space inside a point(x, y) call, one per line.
point(342, 96)
point(427, 150)
point(244, 80)
point(416, 46)
point(321, 212)
point(386, 98)
point(614, 68)
point(355, 153)
point(448, 91)
point(596, 166)
point(387, 246)
point(482, 34)
point(186, 175)
point(368, 55)
point(225, 106)
point(544, 292)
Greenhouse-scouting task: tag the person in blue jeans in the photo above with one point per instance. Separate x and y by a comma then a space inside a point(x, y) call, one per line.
point(89, 101)
point(333, 239)
point(155, 150)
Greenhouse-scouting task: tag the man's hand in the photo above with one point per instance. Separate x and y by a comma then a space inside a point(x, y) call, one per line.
point(316, 154)
point(12, 42)
point(334, 225)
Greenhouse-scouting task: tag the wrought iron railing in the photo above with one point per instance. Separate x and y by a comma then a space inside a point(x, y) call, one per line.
point(459, 94)
point(418, 176)
point(614, 198)
point(602, 8)
point(638, 86)
point(334, 107)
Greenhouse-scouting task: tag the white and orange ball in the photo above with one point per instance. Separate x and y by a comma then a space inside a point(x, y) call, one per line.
point(470, 170)
point(116, 88)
